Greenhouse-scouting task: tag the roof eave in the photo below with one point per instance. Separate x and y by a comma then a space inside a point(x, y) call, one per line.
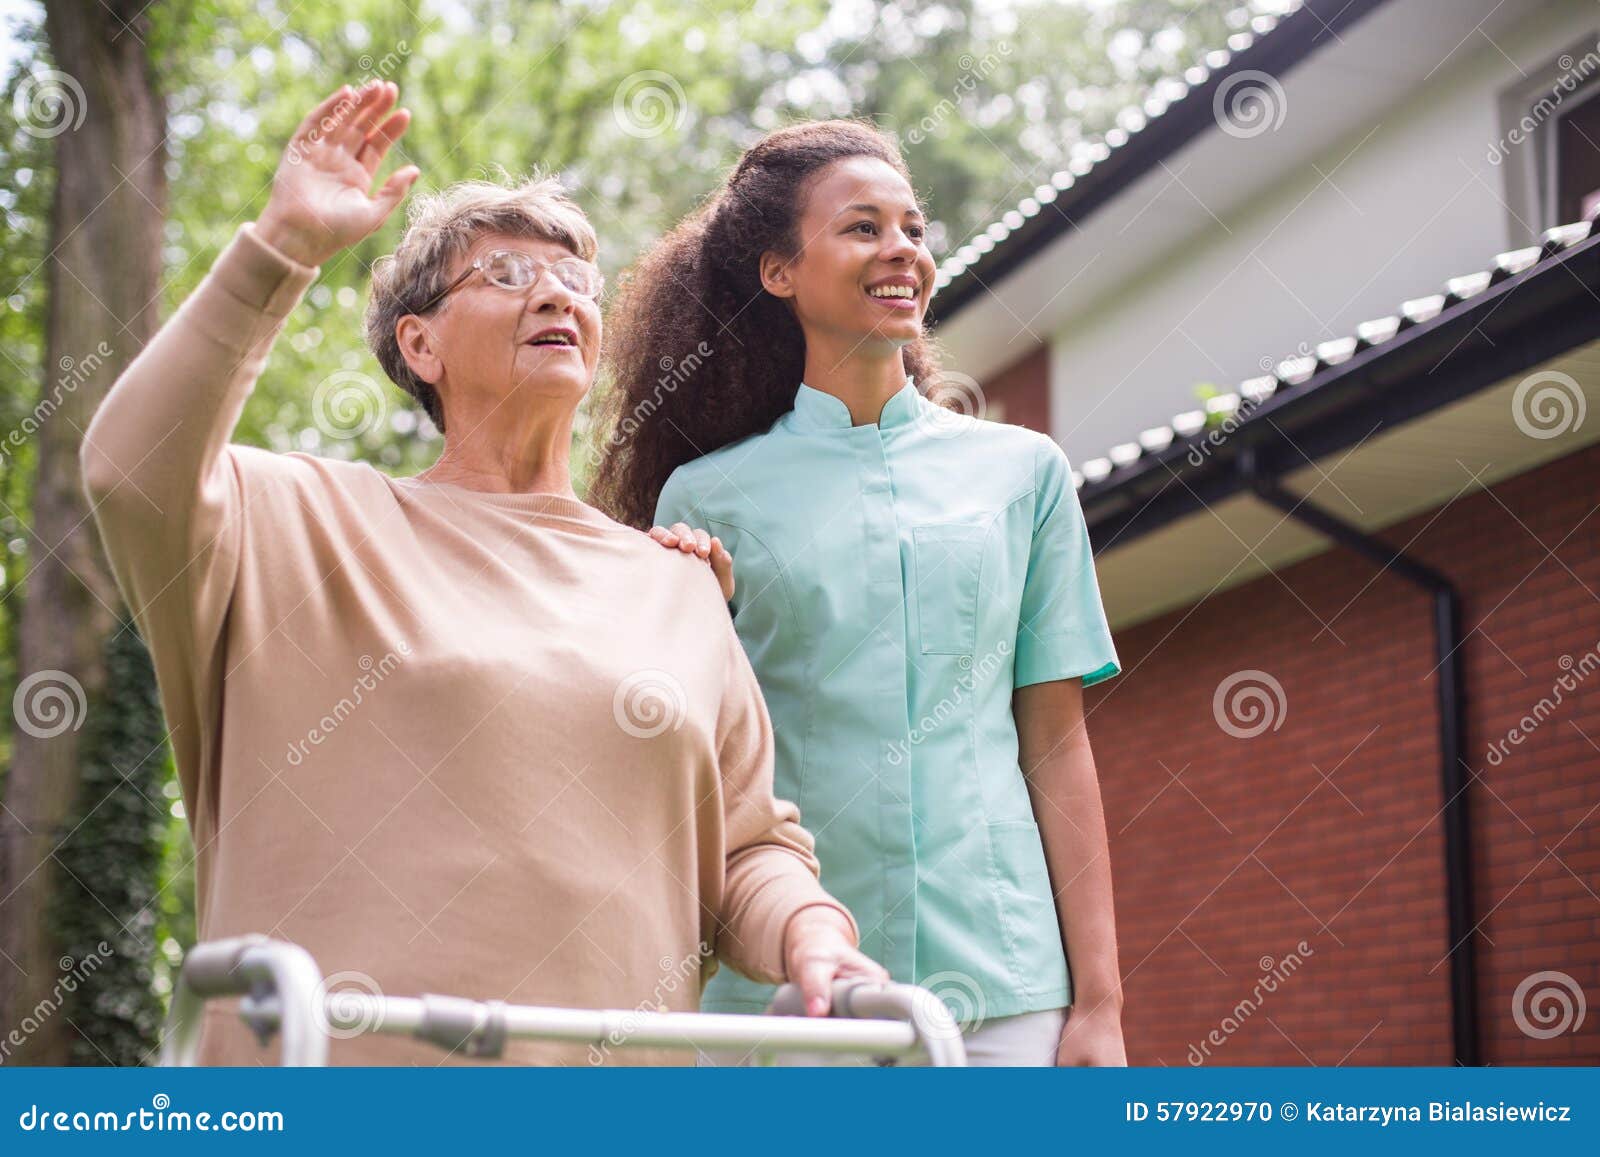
point(1296, 36)
point(1508, 328)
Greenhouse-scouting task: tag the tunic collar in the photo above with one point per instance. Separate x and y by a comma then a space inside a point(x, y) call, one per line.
point(817, 410)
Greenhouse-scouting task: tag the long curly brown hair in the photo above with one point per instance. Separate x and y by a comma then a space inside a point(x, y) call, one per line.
point(701, 355)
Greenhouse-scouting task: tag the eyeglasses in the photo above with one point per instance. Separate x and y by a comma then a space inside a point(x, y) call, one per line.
point(515, 271)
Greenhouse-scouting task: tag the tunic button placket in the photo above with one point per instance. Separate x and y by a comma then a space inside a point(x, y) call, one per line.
point(896, 938)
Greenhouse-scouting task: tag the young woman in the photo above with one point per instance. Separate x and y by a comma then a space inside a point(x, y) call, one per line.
point(914, 587)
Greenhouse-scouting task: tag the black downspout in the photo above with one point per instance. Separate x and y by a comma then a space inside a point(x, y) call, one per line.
point(1452, 737)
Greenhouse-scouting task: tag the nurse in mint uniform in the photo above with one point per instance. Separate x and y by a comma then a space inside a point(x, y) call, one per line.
point(914, 588)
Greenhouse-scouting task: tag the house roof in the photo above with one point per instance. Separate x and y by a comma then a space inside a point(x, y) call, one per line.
point(1524, 307)
point(1177, 110)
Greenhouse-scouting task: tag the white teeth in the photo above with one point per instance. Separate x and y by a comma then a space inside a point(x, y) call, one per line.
point(893, 291)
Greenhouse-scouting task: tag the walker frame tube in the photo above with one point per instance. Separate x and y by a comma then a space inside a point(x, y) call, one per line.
point(285, 993)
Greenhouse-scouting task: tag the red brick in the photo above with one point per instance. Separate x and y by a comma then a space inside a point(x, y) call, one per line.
point(1391, 924)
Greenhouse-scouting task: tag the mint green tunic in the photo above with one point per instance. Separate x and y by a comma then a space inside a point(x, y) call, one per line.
point(894, 584)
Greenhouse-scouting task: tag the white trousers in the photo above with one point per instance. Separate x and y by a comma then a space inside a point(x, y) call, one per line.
point(1026, 1040)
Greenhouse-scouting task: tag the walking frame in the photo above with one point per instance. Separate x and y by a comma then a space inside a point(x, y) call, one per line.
point(284, 994)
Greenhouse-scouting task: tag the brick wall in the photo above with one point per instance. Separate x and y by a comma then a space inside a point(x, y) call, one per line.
point(1229, 852)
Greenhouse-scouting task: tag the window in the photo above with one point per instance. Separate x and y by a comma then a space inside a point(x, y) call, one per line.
point(1549, 147)
point(1574, 186)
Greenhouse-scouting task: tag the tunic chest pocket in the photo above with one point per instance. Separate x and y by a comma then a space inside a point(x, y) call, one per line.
point(947, 559)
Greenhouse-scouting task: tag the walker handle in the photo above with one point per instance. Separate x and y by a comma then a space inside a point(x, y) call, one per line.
point(936, 1029)
point(282, 987)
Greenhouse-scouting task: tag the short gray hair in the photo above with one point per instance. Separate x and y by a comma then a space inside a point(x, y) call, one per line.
point(441, 227)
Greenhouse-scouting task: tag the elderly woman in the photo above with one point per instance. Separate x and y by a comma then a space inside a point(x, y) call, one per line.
point(461, 732)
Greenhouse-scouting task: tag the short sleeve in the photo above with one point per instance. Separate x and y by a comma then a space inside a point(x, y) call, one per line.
point(1062, 631)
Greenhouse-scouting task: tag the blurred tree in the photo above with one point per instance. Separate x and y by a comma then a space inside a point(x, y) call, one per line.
point(27, 176)
point(103, 278)
point(106, 914)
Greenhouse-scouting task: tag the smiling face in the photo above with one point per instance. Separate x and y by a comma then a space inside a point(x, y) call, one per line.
point(863, 274)
point(484, 345)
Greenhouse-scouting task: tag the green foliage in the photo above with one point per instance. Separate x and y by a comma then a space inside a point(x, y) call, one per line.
point(27, 178)
point(640, 106)
point(109, 864)
point(989, 100)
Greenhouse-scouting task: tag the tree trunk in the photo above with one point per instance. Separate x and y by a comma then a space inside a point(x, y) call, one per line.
point(104, 282)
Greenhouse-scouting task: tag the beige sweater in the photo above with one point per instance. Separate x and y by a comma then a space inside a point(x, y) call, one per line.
point(494, 746)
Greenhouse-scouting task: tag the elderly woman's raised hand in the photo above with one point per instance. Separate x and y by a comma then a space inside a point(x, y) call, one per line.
point(321, 196)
